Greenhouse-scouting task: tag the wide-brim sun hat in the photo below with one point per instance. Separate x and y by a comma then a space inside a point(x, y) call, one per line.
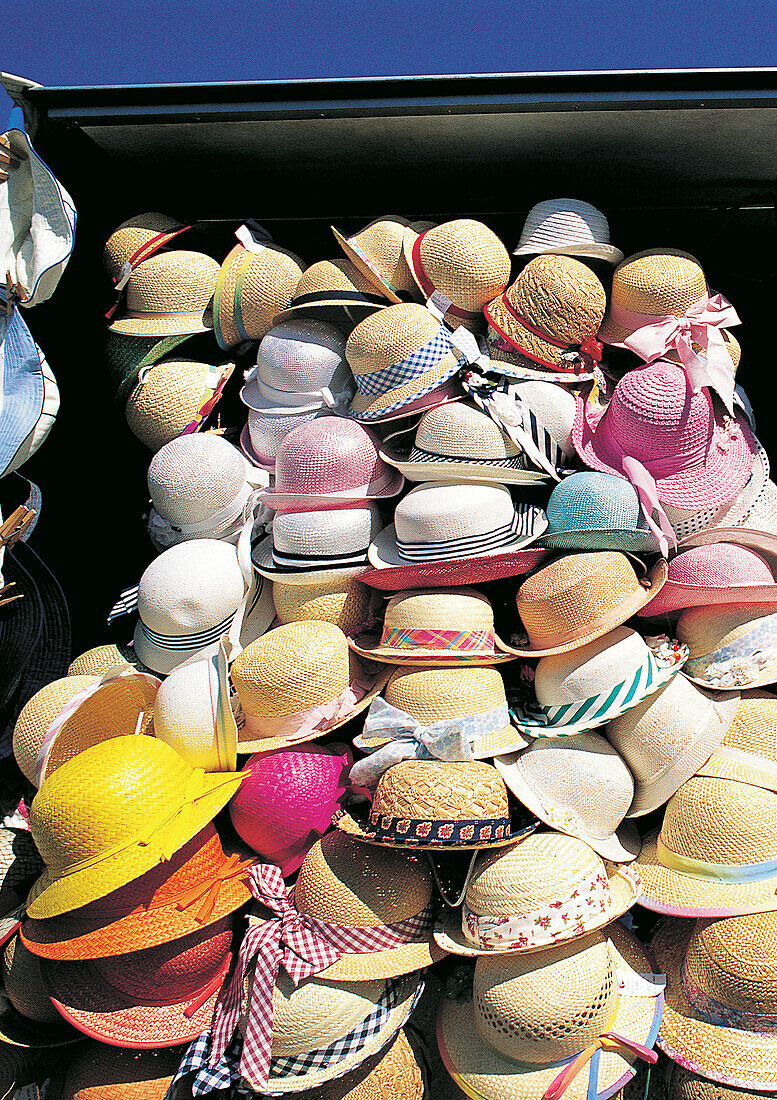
point(307, 548)
point(172, 397)
point(567, 227)
point(595, 511)
point(334, 291)
point(731, 645)
point(377, 251)
point(255, 282)
point(100, 1072)
point(169, 294)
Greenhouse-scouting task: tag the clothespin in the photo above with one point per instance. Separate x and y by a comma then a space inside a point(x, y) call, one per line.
point(14, 527)
point(8, 599)
point(9, 294)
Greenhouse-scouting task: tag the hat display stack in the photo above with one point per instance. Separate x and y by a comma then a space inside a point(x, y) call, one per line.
point(433, 754)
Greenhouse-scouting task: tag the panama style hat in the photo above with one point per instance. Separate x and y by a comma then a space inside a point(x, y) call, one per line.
point(137, 239)
point(145, 802)
point(731, 645)
point(193, 713)
point(721, 990)
point(334, 291)
point(306, 548)
point(567, 227)
point(378, 252)
point(100, 1072)
point(593, 511)
point(340, 599)
point(169, 294)
point(172, 397)
point(572, 1020)
point(716, 573)
point(542, 891)
point(256, 281)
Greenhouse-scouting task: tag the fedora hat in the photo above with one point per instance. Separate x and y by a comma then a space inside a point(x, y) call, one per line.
point(435, 626)
point(567, 227)
point(300, 366)
point(339, 598)
point(137, 239)
point(332, 290)
point(100, 1072)
point(299, 682)
point(145, 802)
point(306, 548)
point(579, 786)
point(730, 645)
point(593, 511)
point(169, 294)
point(715, 573)
point(377, 251)
point(572, 1020)
point(172, 396)
point(542, 891)
point(256, 281)
point(721, 988)
point(193, 713)
point(288, 800)
point(577, 598)
point(583, 688)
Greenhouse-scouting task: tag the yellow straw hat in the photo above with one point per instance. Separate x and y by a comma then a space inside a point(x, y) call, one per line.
point(396, 1076)
point(169, 294)
point(254, 284)
point(112, 813)
point(659, 282)
point(170, 396)
point(102, 658)
point(340, 599)
point(460, 265)
point(377, 251)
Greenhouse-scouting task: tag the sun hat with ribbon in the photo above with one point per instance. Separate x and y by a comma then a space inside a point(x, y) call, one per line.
point(584, 688)
point(544, 890)
point(193, 713)
point(137, 239)
point(579, 786)
point(340, 599)
point(378, 252)
point(172, 398)
point(169, 294)
point(594, 511)
point(731, 645)
point(572, 1021)
point(299, 682)
point(145, 802)
point(567, 227)
point(100, 1072)
point(288, 800)
point(256, 281)
point(335, 291)
point(126, 356)
point(435, 626)
point(715, 573)
point(304, 548)
point(721, 992)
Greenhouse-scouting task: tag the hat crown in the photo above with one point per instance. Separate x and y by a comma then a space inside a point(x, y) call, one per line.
point(437, 511)
point(439, 694)
point(734, 961)
point(327, 455)
point(319, 532)
point(382, 242)
point(660, 283)
point(466, 791)
point(554, 406)
point(594, 501)
point(194, 477)
point(333, 275)
point(595, 668)
point(132, 234)
point(754, 723)
point(38, 713)
point(190, 587)
point(167, 400)
point(720, 565)
point(563, 222)
point(388, 336)
point(460, 430)
point(337, 599)
point(300, 355)
point(439, 608)
point(560, 296)
point(465, 261)
point(172, 282)
point(312, 1015)
point(721, 821)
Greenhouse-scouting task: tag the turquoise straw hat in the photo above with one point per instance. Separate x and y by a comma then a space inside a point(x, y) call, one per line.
point(596, 511)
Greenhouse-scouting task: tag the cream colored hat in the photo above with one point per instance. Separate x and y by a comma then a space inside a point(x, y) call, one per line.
point(256, 281)
point(377, 251)
point(731, 645)
point(339, 598)
point(332, 290)
point(169, 294)
point(172, 395)
point(310, 547)
point(568, 227)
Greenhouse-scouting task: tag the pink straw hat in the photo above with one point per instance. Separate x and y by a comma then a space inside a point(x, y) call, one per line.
point(721, 572)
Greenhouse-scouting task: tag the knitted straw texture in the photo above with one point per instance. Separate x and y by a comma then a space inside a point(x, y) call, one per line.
point(719, 821)
point(460, 430)
point(685, 1085)
point(658, 282)
point(268, 432)
point(131, 235)
point(24, 985)
point(721, 565)
point(735, 962)
point(329, 455)
point(167, 400)
point(315, 1013)
point(441, 791)
point(447, 609)
point(180, 283)
point(397, 1076)
point(268, 285)
point(100, 1072)
point(340, 276)
point(751, 731)
point(436, 694)
point(340, 600)
point(377, 251)
point(597, 511)
point(312, 538)
point(465, 261)
point(194, 477)
point(102, 658)
point(300, 355)
point(36, 716)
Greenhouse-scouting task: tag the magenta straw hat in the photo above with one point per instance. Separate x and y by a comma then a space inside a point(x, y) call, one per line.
point(719, 573)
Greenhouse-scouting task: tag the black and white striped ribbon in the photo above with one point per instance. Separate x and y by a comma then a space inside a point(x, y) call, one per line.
point(522, 525)
point(517, 421)
point(303, 563)
point(195, 642)
point(125, 605)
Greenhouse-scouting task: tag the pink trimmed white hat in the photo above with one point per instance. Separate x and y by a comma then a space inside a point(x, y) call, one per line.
point(721, 572)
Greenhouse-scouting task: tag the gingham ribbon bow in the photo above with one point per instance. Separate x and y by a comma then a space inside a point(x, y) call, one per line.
point(304, 947)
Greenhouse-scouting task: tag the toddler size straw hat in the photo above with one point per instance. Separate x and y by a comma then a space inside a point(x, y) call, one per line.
point(256, 281)
point(435, 626)
point(169, 294)
point(716, 573)
point(593, 511)
point(731, 645)
point(171, 396)
point(340, 599)
point(333, 291)
point(145, 802)
point(530, 1016)
point(542, 891)
point(306, 548)
point(721, 990)
point(100, 1072)
point(378, 252)
point(193, 713)
point(584, 688)
point(579, 597)
point(567, 227)
point(126, 357)
point(397, 1075)
point(579, 786)
point(299, 682)
point(138, 238)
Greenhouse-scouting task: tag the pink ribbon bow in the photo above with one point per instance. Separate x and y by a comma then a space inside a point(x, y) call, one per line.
point(610, 1042)
point(304, 947)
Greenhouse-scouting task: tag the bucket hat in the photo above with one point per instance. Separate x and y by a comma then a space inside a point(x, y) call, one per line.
point(579, 786)
point(574, 1020)
point(193, 713)
point(730, 645)
point(584, 688)
point(377, 251)
point(435, 626)
point(172, 397)
point(340, 599)
point(304, 548)
point(256, 281)
point(299, 682)
point(137, 239)
point(593, 511)
point(145, 802)
point(715, 573)
point(567, 227)
point(40, 429)
point(332, 290)
point(288, 799)
point(720, 995)
point(300, 366)
point(100, 1072)
point(169, 294)
point(22, 388)
point(577, 598)
point(546, 889)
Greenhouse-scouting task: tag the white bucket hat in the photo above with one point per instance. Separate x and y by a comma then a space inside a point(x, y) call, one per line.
point(45, 421)
point(300, 366)
point(307, 547)
point(567, 227)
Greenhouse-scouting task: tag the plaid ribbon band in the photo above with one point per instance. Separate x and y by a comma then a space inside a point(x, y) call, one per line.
point(407, 370)
point(464, 641)
point(522, 525)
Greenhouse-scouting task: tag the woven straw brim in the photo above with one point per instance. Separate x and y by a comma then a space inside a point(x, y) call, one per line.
point(439, 469)
point(676, 597)
point(444, 394)
point(18, 1031)
point(368, 645)
point(726, 1054)
point(766, 679)
point(615, 617)
point(183, 324)
point(365, 408)
point(624, 891)
point(482, 1071)
point(628, 541)
point(247, 450)
point(506, 739)
point(514, 364)
point(310, 502)
point(529, 344)
point(355, 828)
point(384, 552)
point(763, 542)
point(370, 273)
point(442, 574)
point(593, 250)
point(52, 895)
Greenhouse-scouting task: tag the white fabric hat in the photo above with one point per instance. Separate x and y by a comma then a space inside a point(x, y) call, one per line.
point(300, 365)
point(306, 547)
point(579, 786)
point(45, 421)
point(567, 227)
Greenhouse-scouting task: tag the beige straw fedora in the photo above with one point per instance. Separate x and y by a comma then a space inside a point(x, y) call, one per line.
point(137, 238)
point(377, 251)
point(171, 396)
point(542, 891)
point(332, 290)
point(731, 645)
point(567, 227)
point(721, 990)
point(256, 281)
point(168, 294)
point(340, 599)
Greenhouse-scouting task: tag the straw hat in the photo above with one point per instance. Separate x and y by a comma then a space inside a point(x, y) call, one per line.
point(300, 366)
point(332, 290)
point(461, 265)
point(102, 658)
point(306, 548)
point(288, 799)
point(720, 993)
point(720, 572)
point(579, 597)
point(567, 227)
point(542, 891)
point(401, 357)
point(731, 645)
point(126, 356)
point(434, 626)
point(138, 238)
point(586, 687)
point(396, 1076)
point(170, 396)
point(593, 511)
point(100, 1072)
point(553, 407)
point(299, 682)
point(330, 462)
point(24, 985)
point(430, 804)
point(579, 786)
point(169, 294)
point(340, 599)
point(145, 803)
point(253, 285)
point(377, 251)
point(554, 307)
point(530, 1015)
point(20, 863)
point(70, 714)
point(193, 713)
point(682, 1084)
point(666, 737)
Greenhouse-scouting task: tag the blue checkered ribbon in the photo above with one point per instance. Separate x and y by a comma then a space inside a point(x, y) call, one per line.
point(399, 374)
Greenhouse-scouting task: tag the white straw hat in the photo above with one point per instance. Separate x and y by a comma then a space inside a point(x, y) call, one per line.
point(568, 227)
point(300, 365)
point(306, 547)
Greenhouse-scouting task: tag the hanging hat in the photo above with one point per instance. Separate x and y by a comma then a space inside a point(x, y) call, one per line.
point(39, 431)
point(23, 984)
point(169, 294)
point(145, 802)
point(20, 864)
point(592, 511)
point(402, 360)
point(452, 626)
point(340, 599)
point(332, 290)
point(731, 645)
point(579, 597)
point(588, 686)
point(299, 682)
point(377, 251)
point(570, 1021)
point(173, 396)
point(567, 227)
point(136, 239)
point(304, 548)
point(542, 891)
point(721, 989)
point(22, 388)
point(720, 572)
point(256, 281)
point(579, 786)
point(100, 1072)
point(288, 800)
point(666, 737)
point(193, 713)
point(300, 367)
